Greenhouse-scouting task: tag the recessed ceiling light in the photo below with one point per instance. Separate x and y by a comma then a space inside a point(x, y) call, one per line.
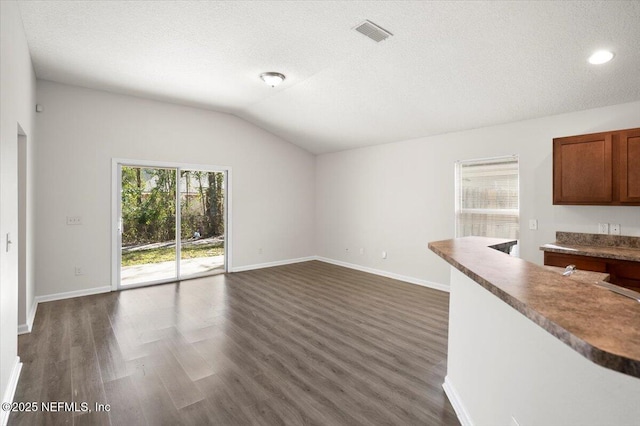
point(272, 78)
point(600, 57)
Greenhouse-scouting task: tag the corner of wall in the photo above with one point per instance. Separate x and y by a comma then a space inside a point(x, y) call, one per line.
point(456, 402)
point(10, 390)
point(27, 326)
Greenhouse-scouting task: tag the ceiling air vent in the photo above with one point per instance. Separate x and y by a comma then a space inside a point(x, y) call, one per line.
point(373, 31)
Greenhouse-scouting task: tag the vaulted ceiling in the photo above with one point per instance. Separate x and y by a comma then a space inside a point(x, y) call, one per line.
point(448, 66)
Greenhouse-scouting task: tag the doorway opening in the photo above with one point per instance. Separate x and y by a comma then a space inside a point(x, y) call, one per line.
point(24, 292)
point(171, 222)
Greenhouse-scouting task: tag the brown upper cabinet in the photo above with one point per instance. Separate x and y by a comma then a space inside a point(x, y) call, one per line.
point(630, 166)
point(597, 169)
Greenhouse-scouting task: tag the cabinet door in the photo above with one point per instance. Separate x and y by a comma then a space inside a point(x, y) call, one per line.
point(582, 169)
point(630, 166)
point(584, 263)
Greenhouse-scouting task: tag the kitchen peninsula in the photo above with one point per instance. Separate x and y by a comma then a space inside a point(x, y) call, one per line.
point(530, 346)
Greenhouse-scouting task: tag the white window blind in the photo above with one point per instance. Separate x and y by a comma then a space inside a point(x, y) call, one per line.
point(487, 198)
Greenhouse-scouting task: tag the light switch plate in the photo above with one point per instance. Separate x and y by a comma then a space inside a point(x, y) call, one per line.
point(533, 224)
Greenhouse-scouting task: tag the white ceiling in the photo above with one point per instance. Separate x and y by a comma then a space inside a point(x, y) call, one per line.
point(449, 66)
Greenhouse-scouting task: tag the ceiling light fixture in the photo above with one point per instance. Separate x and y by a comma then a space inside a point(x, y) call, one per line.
point(600, 57)
point(272, 78)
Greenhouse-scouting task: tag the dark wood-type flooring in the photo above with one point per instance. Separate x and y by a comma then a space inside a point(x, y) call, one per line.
point(303, 344)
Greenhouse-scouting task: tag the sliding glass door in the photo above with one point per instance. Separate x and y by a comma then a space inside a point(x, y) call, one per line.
point(171, 223)
point(202, 222)
point(148, 225)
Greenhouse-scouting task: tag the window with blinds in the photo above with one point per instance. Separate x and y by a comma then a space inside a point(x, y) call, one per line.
point(487, 198)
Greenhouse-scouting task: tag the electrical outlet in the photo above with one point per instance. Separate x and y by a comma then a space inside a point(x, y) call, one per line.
point(603, 228)
point(78, 271)
point(614, 229)
point(533, 224)
point(384, 254)
point(74, 220)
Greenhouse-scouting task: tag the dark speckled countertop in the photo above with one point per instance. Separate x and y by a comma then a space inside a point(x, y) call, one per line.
point(595, 245)
point(601, 325)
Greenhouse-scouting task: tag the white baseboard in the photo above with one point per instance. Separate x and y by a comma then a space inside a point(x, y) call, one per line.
point(272, 264)
point(72, 294)
point(410, 280)
point(10, 391)
point(26, 328)
point(456, 402)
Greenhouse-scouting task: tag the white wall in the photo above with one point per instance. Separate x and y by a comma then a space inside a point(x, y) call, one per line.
point(82, 130)
point(501, 364)
point(397, 197)
point(17, 105)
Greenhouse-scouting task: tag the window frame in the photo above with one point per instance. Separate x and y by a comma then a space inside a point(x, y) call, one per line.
point(458, 195)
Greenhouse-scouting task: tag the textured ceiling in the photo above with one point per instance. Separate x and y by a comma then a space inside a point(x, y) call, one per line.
point(449, 65)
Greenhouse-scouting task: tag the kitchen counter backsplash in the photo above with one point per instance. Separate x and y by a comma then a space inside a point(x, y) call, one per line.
point(600, 240)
